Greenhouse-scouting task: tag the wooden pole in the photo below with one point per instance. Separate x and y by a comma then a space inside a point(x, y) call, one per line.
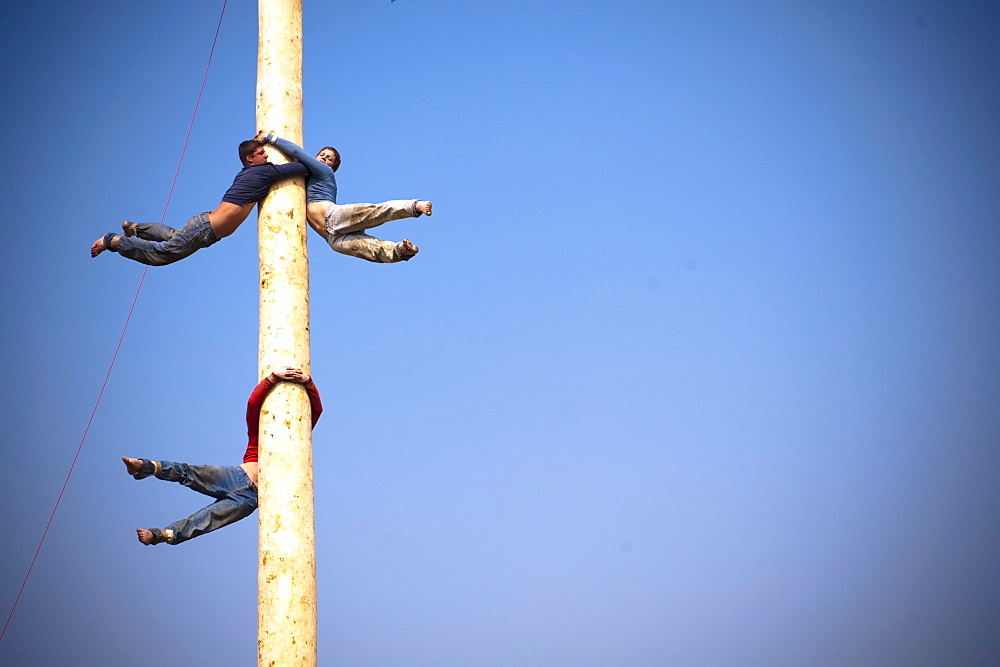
point(286, 574)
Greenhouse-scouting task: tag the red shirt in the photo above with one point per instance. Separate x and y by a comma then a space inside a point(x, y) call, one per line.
point(253, 413)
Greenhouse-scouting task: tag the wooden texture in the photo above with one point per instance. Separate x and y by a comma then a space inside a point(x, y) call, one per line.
point(286, 578)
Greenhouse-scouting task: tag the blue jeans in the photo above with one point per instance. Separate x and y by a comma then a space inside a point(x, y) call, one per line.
point(156, 244)
point(235, 494)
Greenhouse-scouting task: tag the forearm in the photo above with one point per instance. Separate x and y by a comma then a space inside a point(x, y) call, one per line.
point(315, 403)
point(256, 398)
point(299, 154)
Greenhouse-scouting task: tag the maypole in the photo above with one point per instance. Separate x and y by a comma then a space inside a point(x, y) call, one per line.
point(286, 575)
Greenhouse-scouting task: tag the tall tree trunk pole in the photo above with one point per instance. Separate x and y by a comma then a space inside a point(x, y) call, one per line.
point(286, 573)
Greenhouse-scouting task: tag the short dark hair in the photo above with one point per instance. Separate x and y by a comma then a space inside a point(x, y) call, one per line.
point(248, 148)
point(336, 160)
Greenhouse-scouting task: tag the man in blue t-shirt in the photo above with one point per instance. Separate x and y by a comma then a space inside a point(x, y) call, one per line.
point(157, 244)
point(343, 225)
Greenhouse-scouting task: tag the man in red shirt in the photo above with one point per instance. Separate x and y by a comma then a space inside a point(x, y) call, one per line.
point(233, 487)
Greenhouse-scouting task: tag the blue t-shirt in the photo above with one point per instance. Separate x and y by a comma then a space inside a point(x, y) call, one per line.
point(322, 184)
point(253, 182)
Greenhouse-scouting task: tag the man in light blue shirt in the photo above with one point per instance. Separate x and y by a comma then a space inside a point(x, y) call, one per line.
point(343, 225)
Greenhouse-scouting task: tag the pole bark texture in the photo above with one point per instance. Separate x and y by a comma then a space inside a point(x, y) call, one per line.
point(286, 574)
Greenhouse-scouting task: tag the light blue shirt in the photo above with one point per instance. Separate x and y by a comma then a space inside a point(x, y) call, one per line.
point(322, 185)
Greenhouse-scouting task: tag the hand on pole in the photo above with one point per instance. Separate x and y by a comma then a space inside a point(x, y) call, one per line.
point(290, 374)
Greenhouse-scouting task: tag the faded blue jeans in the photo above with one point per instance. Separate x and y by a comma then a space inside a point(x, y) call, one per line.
point(345, 225)
point(235, 494)
point(157, 244)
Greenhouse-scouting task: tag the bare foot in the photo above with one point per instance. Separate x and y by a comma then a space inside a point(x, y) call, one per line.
point(97, 247)
point(145, 536)
point(132, 465)
point(407, 249)
point(424, 207)
point(128, 228)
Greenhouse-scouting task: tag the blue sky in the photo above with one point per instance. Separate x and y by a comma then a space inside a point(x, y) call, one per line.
point(697, 364)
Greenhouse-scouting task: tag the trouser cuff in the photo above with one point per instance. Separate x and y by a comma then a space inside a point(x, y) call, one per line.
point(164, 535)
point(148, 468)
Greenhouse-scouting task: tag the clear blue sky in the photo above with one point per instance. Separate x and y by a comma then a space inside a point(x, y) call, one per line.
point(698, 364)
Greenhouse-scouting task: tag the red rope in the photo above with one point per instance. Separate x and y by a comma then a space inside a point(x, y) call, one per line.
point(128, 319)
